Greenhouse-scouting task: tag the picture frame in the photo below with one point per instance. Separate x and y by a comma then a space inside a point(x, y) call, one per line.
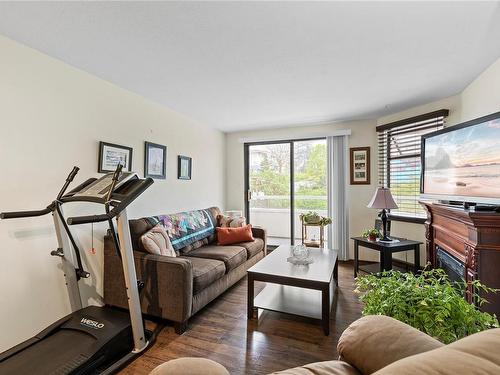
point(111, 154)
point(184, 166)
point(360, 165)
point(155, 160)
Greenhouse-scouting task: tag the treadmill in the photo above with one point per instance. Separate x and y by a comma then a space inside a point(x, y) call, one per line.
point(93, 339)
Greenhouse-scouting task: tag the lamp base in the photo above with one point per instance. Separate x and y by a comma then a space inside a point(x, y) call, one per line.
point(383, 216)
point(386, 239)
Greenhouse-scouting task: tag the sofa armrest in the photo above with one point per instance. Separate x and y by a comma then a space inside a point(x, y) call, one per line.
point(375, 341)
point(168, 283)
point(261, 233)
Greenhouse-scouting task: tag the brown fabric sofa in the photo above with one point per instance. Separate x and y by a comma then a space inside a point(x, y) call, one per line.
point(380, 345)
point(176, 288)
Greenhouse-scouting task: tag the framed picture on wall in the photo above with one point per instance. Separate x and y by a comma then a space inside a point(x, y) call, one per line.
point(110, 155)
point(360, 165)
point(184, 165)
point(155, 161)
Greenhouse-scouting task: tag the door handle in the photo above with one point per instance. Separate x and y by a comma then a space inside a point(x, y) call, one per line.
point(249, 195)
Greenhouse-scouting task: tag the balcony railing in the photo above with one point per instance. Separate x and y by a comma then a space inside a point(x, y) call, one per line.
point(273, 214)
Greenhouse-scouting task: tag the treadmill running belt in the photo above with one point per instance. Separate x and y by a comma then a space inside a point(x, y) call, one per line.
point(41, 358)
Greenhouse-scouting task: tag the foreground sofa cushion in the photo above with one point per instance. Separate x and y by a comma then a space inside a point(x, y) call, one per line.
point(375, 341)
point(475, 354)
point(232, 256)
point(321, 368)
point(205, 272)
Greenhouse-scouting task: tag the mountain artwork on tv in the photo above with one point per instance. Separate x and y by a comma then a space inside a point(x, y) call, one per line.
point(464, 162)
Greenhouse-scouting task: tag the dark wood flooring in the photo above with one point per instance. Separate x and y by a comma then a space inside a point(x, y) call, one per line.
point(276, 341)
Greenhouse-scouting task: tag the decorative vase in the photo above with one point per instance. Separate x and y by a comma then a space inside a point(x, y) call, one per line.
point(372, 237)
point(300, 251)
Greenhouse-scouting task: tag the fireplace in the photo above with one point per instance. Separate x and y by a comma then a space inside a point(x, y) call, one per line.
point(454, 268)
point(466, 244)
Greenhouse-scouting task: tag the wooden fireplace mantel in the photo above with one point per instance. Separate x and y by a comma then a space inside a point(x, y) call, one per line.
point(471, 237)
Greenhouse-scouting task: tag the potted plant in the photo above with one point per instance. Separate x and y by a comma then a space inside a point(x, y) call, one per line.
point(312, 217)
point(428, 301)
point(371, 234)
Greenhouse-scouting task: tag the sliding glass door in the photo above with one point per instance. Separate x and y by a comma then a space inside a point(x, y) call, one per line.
point(284, 179)
point(310, 189)
point(269, 189)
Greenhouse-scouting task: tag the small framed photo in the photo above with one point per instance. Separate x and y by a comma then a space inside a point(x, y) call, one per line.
point(110, 155)
point(155, 161)
point(360, 166)
point(184, 165)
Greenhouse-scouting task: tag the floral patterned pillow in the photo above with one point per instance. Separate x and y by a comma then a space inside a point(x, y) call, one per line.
point(231, 222)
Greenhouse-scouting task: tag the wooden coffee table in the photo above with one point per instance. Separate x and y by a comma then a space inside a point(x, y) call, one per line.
point(298, 290)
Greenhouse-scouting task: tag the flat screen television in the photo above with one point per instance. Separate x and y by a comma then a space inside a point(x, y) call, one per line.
point(462, 162)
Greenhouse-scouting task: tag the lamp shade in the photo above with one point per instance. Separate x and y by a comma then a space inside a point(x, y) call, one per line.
point(382, 199)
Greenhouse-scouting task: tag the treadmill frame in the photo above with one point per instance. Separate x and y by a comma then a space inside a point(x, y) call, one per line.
point(68, 261)
point(71, 262)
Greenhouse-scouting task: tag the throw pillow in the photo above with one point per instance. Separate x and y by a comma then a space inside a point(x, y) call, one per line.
point(229, 236)
point(231, 221)
point(157, 241)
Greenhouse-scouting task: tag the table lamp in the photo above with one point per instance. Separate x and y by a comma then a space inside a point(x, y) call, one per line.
point(383, 199)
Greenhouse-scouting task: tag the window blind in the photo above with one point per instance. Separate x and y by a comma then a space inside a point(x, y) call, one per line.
point(399, 159)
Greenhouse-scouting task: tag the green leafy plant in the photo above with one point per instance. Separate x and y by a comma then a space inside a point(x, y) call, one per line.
point(428, 301)
point(371, 233)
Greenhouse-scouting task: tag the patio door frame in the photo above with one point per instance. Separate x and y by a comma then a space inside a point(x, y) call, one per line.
point(246, 157)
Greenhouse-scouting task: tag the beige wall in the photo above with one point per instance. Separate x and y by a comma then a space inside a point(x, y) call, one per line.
point(51, 118)
point(480, 98)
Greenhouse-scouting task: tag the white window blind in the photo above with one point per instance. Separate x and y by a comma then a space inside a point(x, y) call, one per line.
point(399, 159)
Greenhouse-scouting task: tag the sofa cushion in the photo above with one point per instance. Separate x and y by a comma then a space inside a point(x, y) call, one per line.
point(205, 272)
point(231, 221)
point(374, 341)
point(253, 247)
point(474, 354)
point(157, 241)
point(321, 368)
point(232, 256)
point(231, 236)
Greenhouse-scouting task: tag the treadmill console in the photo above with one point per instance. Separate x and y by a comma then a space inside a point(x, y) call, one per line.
point(99, 188)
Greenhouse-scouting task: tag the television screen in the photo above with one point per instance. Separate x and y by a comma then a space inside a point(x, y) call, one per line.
point(463, 162)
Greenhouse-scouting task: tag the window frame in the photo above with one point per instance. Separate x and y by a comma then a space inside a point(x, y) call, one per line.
point(386, 162)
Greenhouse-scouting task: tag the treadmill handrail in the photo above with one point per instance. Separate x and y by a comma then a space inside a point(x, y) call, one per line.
point(32, 213)
point(76, 220)
point(69, 179)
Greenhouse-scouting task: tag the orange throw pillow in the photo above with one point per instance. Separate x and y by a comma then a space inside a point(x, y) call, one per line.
point(229, 236)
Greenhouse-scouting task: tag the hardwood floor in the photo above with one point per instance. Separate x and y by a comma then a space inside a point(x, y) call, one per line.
point(221, 332)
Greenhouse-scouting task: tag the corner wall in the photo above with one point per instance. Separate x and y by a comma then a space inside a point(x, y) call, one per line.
point(52, 117)
point(480, 98)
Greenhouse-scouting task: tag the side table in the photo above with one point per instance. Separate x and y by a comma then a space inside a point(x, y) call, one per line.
point(386, 249)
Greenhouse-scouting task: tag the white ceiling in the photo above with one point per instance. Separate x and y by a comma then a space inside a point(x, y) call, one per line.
point(242, 65)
